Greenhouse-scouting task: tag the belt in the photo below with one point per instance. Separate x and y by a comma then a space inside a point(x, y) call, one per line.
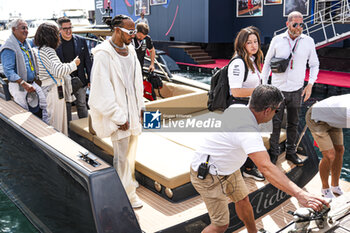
point(30, 82)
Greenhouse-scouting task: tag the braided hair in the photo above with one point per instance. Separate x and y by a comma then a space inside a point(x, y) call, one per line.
point(118, 21)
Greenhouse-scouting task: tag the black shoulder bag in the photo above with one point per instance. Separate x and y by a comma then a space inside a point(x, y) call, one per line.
point(279, 65)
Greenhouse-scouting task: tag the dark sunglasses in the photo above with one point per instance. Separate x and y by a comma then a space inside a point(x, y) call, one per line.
point(298, 24)
point(67, 29)
point(23, 28)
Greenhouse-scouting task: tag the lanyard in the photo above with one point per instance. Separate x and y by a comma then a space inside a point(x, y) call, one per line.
point(29, 58)
point(290, 46)
point(139, 43)
point(46, 69)
point(257, 71)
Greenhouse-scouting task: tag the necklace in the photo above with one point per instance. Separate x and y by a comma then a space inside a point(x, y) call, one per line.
point(116, 46)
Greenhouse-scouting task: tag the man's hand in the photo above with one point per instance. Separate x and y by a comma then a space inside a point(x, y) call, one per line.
point(28, 87)
point(124, 127)
point(307, 92)
point(308, 200)
point(151, 68)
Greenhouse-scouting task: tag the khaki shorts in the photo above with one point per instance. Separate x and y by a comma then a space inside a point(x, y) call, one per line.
point(325, 135)
point(213, 195)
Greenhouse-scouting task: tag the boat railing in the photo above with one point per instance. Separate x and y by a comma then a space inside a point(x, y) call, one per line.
point(324, 21)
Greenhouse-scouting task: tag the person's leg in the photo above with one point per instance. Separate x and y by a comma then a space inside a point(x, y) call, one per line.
point(216, 202)
point(215, 229)
point(337, 165)
point(237, 191)
point(132, 154)
point(80, 96)
point(325, 166)
point(274, 150)
point(337, 137)
point(122, 152)
point(69, 111)
point(43, 103)
point(293, 103)
point(245, 213)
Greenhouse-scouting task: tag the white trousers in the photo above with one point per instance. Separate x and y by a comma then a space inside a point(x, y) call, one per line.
point(20, 98)
point(56, 109)
point(124, 163)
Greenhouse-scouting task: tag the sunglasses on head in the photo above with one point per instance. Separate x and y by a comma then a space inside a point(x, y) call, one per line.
point(298, 24)
point(129, 32)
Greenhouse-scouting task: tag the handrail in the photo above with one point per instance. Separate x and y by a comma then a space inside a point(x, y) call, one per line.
point(317, 19)
point(323, 18)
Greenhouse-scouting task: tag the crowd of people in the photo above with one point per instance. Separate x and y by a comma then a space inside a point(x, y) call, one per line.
point(62, 63)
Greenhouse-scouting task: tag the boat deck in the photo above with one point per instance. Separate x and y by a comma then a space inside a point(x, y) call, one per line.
point(169, 214)
point(279, 217)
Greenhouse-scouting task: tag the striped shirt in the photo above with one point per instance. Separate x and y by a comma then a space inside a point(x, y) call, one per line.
point(53, 64)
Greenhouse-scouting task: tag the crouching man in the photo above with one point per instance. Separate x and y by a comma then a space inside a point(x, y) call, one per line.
point(227, 151)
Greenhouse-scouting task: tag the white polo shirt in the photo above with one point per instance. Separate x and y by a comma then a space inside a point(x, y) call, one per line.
point(228, 150)
point(236, 71)
point(293, 78)
point(334, 110)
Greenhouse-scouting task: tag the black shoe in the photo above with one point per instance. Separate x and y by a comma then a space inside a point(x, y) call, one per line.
point(273, 156)
point(253, 173)
point(294, 159)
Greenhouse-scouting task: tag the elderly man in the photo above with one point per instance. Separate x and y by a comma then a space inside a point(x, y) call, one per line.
point(325, 120)
point(225, 152)
point(291, 81)
point(143, 41)
point(72, 46)
point(20, 68)
point(116, 99)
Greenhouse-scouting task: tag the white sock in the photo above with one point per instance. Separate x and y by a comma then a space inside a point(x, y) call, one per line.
point(337, 190)
point(327, 193)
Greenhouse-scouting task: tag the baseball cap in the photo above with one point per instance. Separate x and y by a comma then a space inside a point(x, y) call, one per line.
point(32, 99)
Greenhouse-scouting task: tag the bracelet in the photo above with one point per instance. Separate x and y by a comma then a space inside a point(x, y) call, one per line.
point(22, 82)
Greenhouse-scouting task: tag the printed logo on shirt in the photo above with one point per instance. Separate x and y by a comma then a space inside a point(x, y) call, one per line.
point(151, 120)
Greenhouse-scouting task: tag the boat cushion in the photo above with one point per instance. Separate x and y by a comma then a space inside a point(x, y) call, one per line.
point(182, 104)
point(170, 90)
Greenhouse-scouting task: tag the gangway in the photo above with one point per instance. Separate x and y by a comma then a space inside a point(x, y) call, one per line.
point(328, 14)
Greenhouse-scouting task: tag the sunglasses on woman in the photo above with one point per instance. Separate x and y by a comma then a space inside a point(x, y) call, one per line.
point(129, 32)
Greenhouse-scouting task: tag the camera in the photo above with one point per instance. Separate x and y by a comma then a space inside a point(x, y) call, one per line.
point(60, 92)
point(203, 170)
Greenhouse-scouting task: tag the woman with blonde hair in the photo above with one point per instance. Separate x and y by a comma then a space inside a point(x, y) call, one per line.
point(244, 76)
point(52, 73)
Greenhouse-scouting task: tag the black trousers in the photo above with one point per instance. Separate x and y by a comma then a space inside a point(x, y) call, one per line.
point(292, 103)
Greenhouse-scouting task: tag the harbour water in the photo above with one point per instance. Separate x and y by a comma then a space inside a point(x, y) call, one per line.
point(13, 221)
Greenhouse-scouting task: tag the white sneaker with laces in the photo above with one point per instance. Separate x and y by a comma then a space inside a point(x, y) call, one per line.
point(327, 193)
point(337, 190)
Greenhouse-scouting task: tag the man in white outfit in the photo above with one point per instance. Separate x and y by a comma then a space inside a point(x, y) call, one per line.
point(116, 99)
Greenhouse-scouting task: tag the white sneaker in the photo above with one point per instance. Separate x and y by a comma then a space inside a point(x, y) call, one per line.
point(327, 193)
point(136, 203)
point(337, 190)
